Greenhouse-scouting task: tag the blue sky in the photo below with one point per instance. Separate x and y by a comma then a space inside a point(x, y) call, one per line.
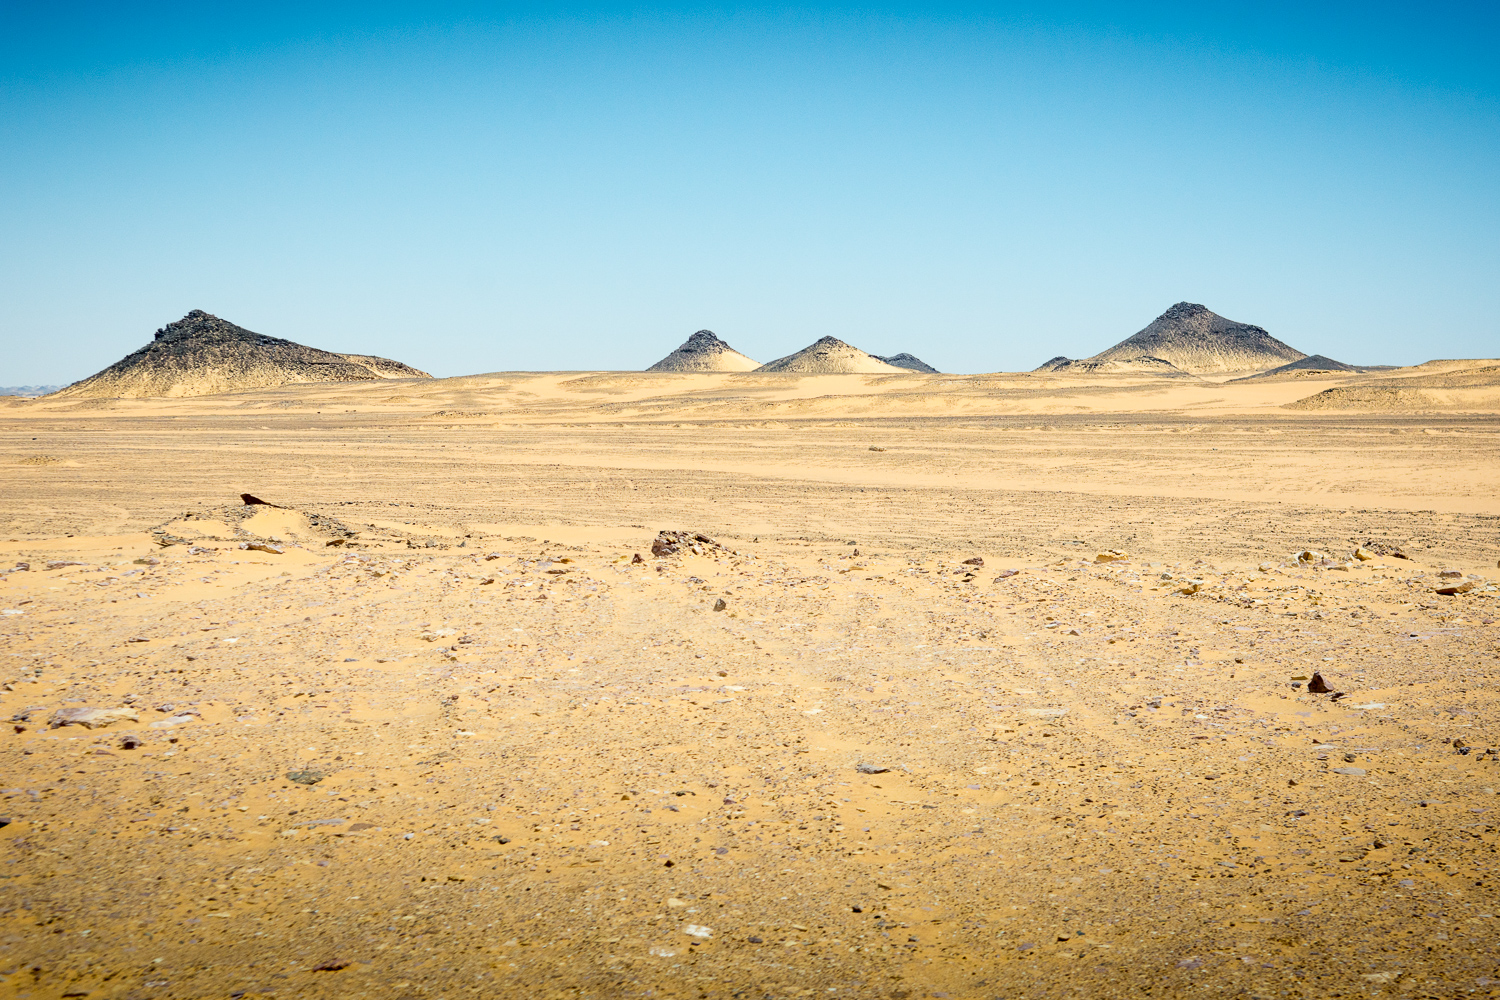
point(479, 188)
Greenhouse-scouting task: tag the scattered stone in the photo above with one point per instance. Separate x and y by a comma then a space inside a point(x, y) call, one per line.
point(275, 550)
point(976, 561)
point(1363, 554)
point(333, 966)
point(697, 931)
point(1006, 574)
point(306, 777)
point(63, 563)
point(433, 635)
point(1311, 556)
point(669, 543)
point(130, 741)
point(1356, 772)
point(720, 604)
point(1190, 587)
point(876, 448)
point(636, 559)
point(255, 501)
point(1266, 567)
point(1382, 549)
point(870, 769)
point(1317, 685)
point(92, 718)
point(1453, 589)
point(1111, 555)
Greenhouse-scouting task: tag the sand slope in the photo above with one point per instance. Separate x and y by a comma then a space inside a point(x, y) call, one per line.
point(202, 354)
point(1199, 341)
point(1442, 387)
point(827, 357)
point(705, 352)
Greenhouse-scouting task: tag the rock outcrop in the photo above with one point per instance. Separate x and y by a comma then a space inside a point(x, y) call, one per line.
point(201, 354)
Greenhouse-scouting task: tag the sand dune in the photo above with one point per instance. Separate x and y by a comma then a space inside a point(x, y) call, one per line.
point(1445, 385)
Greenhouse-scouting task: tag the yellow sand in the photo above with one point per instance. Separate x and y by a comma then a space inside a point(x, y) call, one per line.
point(544, 769)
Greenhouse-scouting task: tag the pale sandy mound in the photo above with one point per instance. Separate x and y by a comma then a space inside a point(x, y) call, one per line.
point(705, 352)
point(201, 354)
point(1199, 341)
point(830, 356)
point(1462, 389)
point(910, 362)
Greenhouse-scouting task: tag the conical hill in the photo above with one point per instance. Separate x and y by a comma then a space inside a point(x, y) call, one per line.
point(201, 354)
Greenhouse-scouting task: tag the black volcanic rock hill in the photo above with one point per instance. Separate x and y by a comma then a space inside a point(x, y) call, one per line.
point(1197, 340)
point(202, 354)
point(910, 362)
point(1311, 363)
point(830, 356)
point(705, 352)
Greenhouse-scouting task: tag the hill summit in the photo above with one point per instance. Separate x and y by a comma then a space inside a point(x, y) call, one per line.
point(831, 356)
point(705, 352)
point(1194, 339)
point(202, 354)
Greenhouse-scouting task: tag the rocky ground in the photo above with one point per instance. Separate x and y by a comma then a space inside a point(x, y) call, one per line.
point(931, 743)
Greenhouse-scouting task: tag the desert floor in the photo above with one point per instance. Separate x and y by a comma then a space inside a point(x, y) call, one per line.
point(532, 766)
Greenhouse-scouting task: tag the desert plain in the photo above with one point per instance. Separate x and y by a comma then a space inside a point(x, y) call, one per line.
point(973, 687)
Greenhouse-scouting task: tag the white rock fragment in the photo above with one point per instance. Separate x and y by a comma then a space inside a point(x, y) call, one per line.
point(93, 718)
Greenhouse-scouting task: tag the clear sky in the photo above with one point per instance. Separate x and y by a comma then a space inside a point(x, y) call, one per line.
point(472, 188)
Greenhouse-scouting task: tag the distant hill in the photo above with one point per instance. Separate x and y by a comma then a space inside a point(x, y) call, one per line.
point(27, 390)
point(1125, 366)
point(910, 362)
point(1196, 340)
point(202, 354)
point(705, 352)
point(1303, 367)
point(831, 356)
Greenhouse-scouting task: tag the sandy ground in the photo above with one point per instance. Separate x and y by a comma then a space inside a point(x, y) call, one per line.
point(441, 736)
